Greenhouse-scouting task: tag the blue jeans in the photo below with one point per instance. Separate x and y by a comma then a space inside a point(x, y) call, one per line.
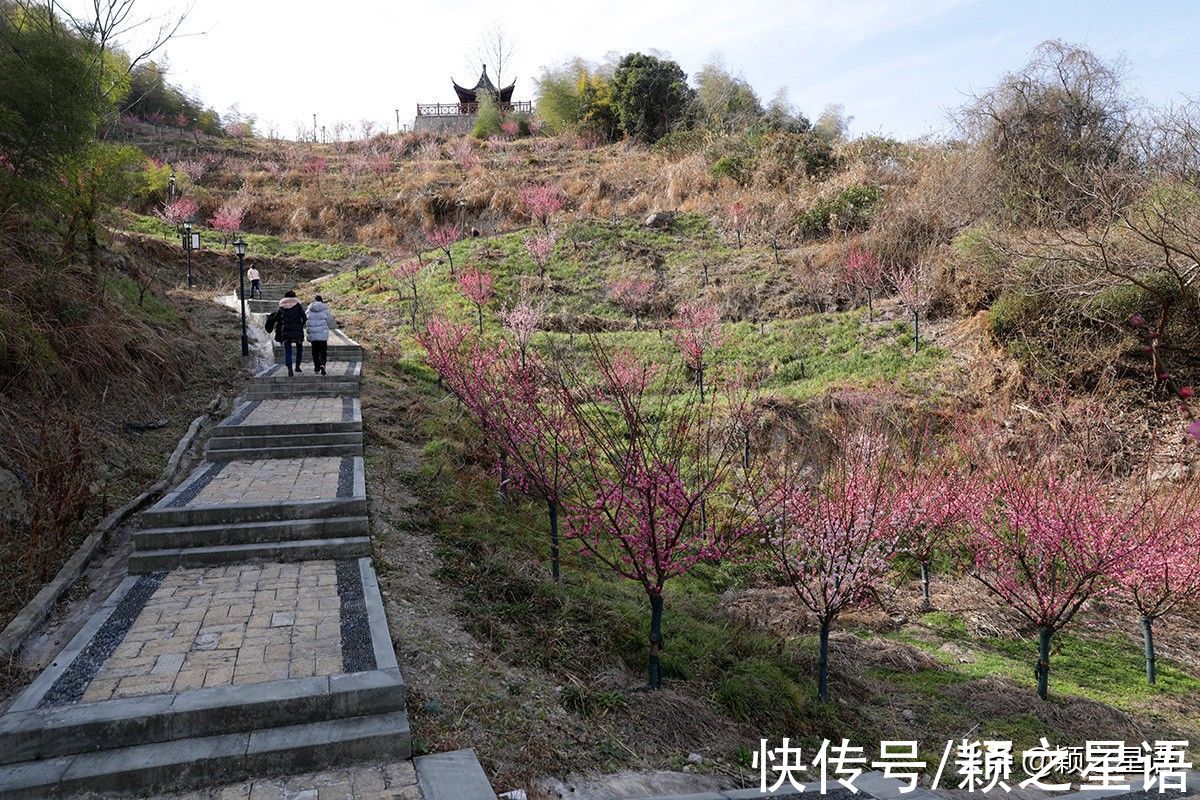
point(287, 352)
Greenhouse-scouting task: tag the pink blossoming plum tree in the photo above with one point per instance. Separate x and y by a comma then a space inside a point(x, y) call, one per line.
point(408, 272)
point(522, 321)
point(228, 220)
point(477, 286)
point(182, 210)
point(648, 488)
point(1163, 576)
point(863, 272)
point(1056, 536)
point(738, 215)
point(697, 333)
point(443, 238)
point(541, 201)
point(832, 529)
point(540, 247)
point(948, 497)
point(632, 295)
point(913, 293)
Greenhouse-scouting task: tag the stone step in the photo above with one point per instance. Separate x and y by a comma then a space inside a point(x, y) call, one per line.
point(41, 733)
point(142, 770)
point(297, 428)
point(294, 451)
point(336, 369)
point(456, 775)
point(257, 512)
point(235, 439)
point(341, 352)
point(279, 289)
point(249, 533)
point(143, 561)
point(283, 392)
point(263, 306)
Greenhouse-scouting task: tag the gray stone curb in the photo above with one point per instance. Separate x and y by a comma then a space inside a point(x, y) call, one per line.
point(381, 636)
point(455, 775)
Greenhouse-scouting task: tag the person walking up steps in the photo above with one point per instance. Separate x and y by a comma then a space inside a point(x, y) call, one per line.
point(289, 328)
point(255, 282)
point(320, 323)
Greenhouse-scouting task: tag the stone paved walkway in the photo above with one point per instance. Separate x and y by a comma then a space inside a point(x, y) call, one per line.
point(224, 626)
point(299, 409)
point(273, 659)
point(271, 480)
point(394, 781)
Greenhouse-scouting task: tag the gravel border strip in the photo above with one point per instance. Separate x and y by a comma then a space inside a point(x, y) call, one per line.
point(358, 651)
point(71, 685)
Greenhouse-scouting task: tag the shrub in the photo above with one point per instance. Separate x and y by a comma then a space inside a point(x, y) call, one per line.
point(651, 96)
point(1009, 314)
point(488, 120)
point(850, 210)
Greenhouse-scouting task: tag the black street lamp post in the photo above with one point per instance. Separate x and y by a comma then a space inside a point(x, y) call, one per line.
point(462, 217)
point(187, 245)
point(240, 247)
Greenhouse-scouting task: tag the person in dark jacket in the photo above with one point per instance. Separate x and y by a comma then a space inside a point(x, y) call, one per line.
point(289, 329)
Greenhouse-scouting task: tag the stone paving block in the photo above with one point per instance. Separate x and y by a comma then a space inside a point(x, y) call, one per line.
point(248, 625)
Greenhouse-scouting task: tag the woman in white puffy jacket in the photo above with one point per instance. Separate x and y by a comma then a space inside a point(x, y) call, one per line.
point(320, 323)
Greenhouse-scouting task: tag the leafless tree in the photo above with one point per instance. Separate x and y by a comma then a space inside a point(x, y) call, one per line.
point(1049, 126)
point(1133, 221)
point(111, 22)
point(496, 49)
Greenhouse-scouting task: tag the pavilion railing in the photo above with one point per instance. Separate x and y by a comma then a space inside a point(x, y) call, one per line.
point(466, 109)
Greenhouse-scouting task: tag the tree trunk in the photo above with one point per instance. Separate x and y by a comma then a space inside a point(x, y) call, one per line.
point(925, 584)
point(823, 663)
point(746, 450)
point(870, 306)
point(503, 474)
point(1148, 642)
point(916, 332)
point(1043, 666)
point(656, 611)
point(552, 507)
point(480, 308)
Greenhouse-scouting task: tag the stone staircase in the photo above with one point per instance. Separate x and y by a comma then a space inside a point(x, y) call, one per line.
point(341, 348)
point(249, 637)
point(341, 379)
point(272, 293)
point(266, 428)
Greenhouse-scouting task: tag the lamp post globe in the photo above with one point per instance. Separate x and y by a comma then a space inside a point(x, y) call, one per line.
point(239, 247)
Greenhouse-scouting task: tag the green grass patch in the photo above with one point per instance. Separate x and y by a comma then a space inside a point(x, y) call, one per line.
point(257, 244)
point(148, 306)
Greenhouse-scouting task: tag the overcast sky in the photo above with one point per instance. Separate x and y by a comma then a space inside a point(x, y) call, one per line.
point(897, 67)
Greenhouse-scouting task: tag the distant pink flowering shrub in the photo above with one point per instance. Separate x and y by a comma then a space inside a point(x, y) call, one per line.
point(476, 286)
point(540, 247)
point(542, 200)
point(697, 332)
point(228, 219)
point(182, 210)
